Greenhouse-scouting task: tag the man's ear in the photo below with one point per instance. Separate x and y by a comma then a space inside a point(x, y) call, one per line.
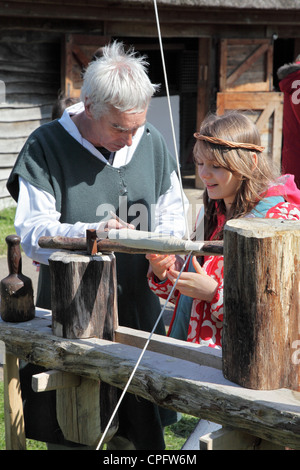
point(87, 107)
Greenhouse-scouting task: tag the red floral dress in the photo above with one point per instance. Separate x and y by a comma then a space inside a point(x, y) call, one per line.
point(206, 319)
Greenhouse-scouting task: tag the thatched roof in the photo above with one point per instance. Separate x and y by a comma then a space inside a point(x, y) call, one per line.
point(238, 4)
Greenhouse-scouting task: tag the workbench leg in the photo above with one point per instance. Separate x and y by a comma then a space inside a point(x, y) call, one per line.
point(13, 408)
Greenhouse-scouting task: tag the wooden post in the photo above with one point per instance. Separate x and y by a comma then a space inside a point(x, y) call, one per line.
point(261, 303)
point(83, 295)
point(13, 407)
point(84, 305)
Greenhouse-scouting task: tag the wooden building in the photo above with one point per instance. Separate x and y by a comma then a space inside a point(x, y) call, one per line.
point(219, 55)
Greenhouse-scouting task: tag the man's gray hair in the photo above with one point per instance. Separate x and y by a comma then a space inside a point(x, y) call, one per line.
point(119, 79)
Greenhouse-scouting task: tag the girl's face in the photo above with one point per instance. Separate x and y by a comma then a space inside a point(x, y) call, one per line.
point(219, 182)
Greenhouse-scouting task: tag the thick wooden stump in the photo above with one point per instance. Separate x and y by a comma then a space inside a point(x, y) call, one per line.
point(83, 295)
point(261, 303)
point(84, 305)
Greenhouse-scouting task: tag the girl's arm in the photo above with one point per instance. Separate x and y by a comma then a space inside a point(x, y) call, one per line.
point(162, 288)
point(157, 274)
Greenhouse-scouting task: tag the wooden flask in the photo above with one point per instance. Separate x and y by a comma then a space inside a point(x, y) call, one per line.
point(16, 289)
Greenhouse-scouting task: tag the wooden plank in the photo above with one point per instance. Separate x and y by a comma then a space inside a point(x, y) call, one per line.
point(246, 65)
point(13, 408)
point(79, 414)
point(4, 173)
point(202, 355)
point(12, 145)
point(203, 427)
point(35, 113)
point(232, 439)
point(174, 383)
point(53, 380)
point(7, 160)
point(3, 190)
point(11, 130)
point(78, 52)
point(203, 88)
point(266, 110)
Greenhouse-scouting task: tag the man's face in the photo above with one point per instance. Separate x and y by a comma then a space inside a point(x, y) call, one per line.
point(115, 129)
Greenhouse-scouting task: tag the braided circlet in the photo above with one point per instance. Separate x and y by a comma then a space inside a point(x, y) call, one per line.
point(228, 143)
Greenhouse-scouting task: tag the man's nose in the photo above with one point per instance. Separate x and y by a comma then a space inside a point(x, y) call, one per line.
point(128, 139)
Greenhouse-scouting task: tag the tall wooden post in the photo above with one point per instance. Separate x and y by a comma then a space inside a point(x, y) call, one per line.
point(261, 303)
point(84, 305)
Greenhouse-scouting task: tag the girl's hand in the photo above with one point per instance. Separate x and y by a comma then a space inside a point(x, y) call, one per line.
point(197, 285)
point(159, 264)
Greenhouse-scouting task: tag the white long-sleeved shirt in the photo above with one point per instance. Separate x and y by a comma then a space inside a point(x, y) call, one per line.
point(36, 213)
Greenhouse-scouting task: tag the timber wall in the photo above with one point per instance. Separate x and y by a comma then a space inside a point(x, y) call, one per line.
point(30, 71)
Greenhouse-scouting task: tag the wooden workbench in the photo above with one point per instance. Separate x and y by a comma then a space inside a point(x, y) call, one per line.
point(194, 385)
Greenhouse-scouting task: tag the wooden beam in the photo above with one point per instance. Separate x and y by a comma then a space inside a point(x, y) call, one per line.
point(126, 11)
point(202, 355)
point(54, 380)
point(105, 245)
point(170, 382)
point(247, 63)
point(232, 439)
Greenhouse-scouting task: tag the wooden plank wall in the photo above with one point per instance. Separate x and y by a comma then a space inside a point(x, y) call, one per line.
point(246, 84)
point(30, 71)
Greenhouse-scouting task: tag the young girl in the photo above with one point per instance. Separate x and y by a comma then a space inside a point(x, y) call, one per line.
point(239, 182)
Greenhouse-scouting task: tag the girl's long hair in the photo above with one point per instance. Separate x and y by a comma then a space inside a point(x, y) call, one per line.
point(255, 176)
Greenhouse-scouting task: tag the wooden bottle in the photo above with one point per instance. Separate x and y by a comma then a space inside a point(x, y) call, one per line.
point(16, 289)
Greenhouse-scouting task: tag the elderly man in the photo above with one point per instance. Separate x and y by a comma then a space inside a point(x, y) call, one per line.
point(101, 154)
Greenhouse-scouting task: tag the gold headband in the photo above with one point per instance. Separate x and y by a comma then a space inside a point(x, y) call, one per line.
point(228, 143)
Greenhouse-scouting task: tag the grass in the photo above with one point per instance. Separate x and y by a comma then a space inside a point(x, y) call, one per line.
point(175, 435)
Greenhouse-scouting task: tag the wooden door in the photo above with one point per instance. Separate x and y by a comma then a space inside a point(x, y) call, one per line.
point(78, 52)
point(246, 65)
point(246, 84)
point(266, 110)
point(204, 88)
